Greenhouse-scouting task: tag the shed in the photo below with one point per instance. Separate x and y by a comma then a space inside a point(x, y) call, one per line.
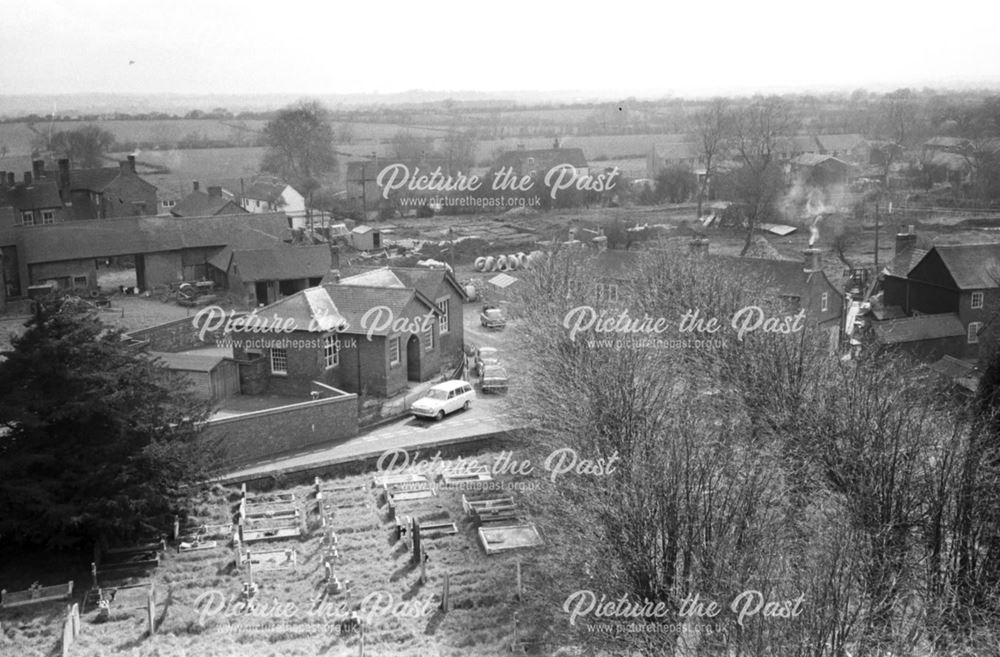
point(212, 376)
point(366, 238)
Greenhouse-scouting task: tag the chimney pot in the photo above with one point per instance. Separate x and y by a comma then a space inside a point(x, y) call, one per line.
point(131, 162)
point(813, 259)
point(27, 177)
point(196, 185)
point(38, 169)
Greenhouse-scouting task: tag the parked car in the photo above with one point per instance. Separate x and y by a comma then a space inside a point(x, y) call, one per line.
point(444, 398)
point(486, 356)
point(493, 379)
point(492, 317)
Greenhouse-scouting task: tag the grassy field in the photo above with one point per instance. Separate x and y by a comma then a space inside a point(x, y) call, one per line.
point(404, 617)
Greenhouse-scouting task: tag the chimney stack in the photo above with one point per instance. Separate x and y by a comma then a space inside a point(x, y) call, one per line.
point(3, 179)
point(905, 241)
point(64, 173)
point(215, 191)
point(131, 163)
point(27, 178)
point(124, 167)
point(813, 259)
point(196, 186)
point(38, 169)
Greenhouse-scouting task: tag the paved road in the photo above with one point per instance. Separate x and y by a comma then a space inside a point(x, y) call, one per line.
point(485, 418)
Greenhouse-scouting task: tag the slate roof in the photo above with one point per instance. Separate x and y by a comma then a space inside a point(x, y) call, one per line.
point(37, 196)
point(786, 277)
point(282, 262)
point(94, 180)
point(188, 362)
point(74, 240)
point(918, 328)
point(374, 278)
point(973, 266)
point(200, 204)
point(342, 307)
point(426, 280)
point(266, 189)
point(814, 159)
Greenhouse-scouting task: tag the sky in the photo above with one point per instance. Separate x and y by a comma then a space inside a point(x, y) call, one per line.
point(331, 47)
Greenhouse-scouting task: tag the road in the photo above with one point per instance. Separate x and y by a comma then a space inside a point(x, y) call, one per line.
point(485, 418)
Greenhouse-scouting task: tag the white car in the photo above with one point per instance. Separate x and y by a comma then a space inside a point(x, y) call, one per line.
point(444, 398)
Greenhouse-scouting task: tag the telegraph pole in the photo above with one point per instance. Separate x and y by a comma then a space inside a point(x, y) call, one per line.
point(876, 239)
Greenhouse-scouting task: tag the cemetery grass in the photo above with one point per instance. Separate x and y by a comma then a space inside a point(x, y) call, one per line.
point(483, 589)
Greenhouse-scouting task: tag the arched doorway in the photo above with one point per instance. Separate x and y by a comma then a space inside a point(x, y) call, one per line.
point(414, 349)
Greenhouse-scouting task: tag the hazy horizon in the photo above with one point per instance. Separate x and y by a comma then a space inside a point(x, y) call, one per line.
point(520, 49)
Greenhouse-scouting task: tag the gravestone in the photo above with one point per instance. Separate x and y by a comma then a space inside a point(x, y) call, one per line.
point(417, 554)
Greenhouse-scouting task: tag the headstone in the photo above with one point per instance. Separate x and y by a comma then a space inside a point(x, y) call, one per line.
point(151, 611)
point(519, 581)
point(416, 541)
point(446, 593)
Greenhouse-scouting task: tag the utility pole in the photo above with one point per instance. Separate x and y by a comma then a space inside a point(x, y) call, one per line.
point(876, 238)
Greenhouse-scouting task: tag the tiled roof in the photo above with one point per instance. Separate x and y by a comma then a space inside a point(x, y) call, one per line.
point(282, 262)
point(973, 266)
point(841, 142)
point(786, 277)
point(813, 159)
point(920, 327)
point(76, 240)
point(200, 204)
point(37, 196)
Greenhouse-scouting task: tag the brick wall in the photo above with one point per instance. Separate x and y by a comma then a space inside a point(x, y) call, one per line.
point(261, 434)
point(178, 335)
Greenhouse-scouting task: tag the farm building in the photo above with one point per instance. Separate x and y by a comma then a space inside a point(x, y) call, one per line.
point(165, 250)
point(270, 194)
point(815, 170)
point(262, 276)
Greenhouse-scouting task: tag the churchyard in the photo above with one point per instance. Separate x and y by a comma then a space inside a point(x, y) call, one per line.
point(371, 564)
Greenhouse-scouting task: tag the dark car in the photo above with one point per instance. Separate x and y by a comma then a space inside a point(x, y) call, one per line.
point(492, 317)
point(486, 356)
point(494, 379)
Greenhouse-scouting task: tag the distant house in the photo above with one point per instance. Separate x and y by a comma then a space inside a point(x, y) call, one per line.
point(817, 170)
point(200, 204)
point(370, 340)
point(258, 277)
point(849, 147)
point(270, 194)
point(662, 156)
point(107, 192)
point(31, 202)
point(960, 280)
point(541, 161)
point(790, 147)
point(363, 191)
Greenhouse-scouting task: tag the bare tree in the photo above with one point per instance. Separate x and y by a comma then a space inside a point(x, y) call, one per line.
point(758, 129)
point(712, 127)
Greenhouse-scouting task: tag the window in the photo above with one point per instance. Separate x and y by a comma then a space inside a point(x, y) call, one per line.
point(394, 351)
point(331, 351)
point(168, 204)
point(48, 216)
point(824, 302)
point(977, 300)
point(607, 292)
point(80, 281)
point(429, 337)
point(443, 307)
point(279, 361)
point(28, 218)
point(974, 332)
